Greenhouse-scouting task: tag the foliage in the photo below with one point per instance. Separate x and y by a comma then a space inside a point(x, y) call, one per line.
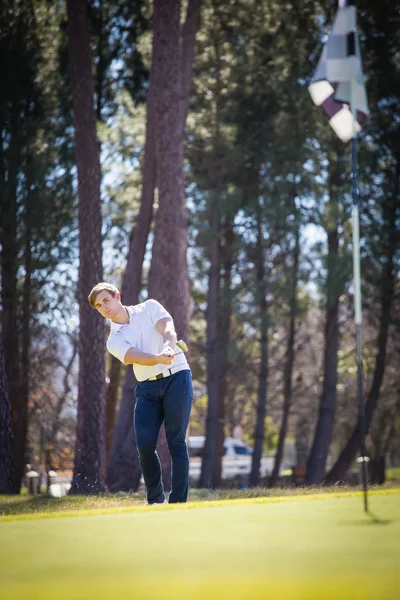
point(254, 142)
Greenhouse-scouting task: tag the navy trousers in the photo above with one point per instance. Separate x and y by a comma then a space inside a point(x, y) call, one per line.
point(167, 400)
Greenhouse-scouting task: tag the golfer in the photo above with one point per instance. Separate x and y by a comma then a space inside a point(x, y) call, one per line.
point(144, 336)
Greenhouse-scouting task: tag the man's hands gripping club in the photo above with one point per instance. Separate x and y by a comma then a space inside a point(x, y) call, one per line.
point(167, 356)
point(169, 353)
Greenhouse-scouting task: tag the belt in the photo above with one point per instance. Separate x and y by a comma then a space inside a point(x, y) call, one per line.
point(167, 373)
point(160, 375)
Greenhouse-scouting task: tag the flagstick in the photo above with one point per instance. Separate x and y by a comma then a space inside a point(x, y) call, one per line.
point(357, 299)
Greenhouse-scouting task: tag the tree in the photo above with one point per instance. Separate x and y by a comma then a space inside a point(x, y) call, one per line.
point(261, 294)
point(121, 76)
point(171, 76)
point(251, 137)
point(123, 445)
point(216, 232)
point(334, 289)
point(289, 361)
point(52, 400)
point(168, 277)
point(35, 197)
point(89, 466)
point(17, 100)
point(6, 462)
point(380, 181)
point(390, 243)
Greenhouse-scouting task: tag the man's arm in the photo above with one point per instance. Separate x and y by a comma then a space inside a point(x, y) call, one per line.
point(166, 328)
point(135, 356)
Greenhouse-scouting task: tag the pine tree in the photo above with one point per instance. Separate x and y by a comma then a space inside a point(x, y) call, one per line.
point(89, 467)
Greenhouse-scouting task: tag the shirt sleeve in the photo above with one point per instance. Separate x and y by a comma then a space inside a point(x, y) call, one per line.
point(156, 311)
point(118, 346)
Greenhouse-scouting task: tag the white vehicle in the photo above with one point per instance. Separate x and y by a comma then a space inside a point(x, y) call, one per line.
point(236, 460)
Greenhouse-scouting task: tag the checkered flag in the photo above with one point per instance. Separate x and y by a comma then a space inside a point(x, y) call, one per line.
point(338, 83)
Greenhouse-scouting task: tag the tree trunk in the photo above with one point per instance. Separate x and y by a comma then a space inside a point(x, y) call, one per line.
point(89, 466)
point(288, 369)
point(8, 280)
point(377, 470)
point(259, 431)
point(323, 432)
point(132, 278)
point(123, 473)
point(211, 467)
point(114, 377)
point(210, 454)
point(188, 41)
point(388, 278)
point(26, 327)
point(168, 277)
point(9, 265)
point(6, 460)
point(224, 321)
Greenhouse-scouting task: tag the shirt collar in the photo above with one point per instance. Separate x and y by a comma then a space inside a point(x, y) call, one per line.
point(114, 327)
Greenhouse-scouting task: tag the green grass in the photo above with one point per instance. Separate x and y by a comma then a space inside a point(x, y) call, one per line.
point(35, 506)
point(318, 546)
point(393, 474)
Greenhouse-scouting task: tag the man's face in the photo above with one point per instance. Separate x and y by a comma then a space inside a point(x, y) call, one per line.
point(106, 304)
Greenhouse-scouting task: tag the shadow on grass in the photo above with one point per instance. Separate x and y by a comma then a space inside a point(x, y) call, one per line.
point(368, 519)
point(375, 520)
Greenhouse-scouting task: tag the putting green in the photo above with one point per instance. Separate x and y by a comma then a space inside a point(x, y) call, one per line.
point(320, 549)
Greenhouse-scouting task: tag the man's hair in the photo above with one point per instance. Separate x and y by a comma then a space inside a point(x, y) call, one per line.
point(102, 287)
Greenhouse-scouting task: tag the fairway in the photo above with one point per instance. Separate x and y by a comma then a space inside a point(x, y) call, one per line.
point(311, 549)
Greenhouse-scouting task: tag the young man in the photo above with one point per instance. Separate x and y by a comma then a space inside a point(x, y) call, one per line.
point(144, 336)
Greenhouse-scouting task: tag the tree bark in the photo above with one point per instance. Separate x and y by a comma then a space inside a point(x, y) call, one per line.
point(89, 466)
point(114, 377)
point(323, 432)
point(211, 466)
point(6, 438)
point(11, 161)
point(26, 321)
point(168, 277)
point(6, 460)
point(210, 453)
point(188, 42)
point(288, 369)
point(224, 321)
point(259, 430)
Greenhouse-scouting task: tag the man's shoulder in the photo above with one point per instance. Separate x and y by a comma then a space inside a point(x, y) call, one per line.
point(150, 310)
point(146, 305)
point(151, 302)
point(141, 306)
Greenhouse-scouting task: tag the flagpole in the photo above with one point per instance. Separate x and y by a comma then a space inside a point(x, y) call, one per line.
point(336, 86)
point(357, 295)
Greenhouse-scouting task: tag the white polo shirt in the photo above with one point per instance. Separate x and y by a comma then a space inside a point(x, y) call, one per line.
point(142, 334)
